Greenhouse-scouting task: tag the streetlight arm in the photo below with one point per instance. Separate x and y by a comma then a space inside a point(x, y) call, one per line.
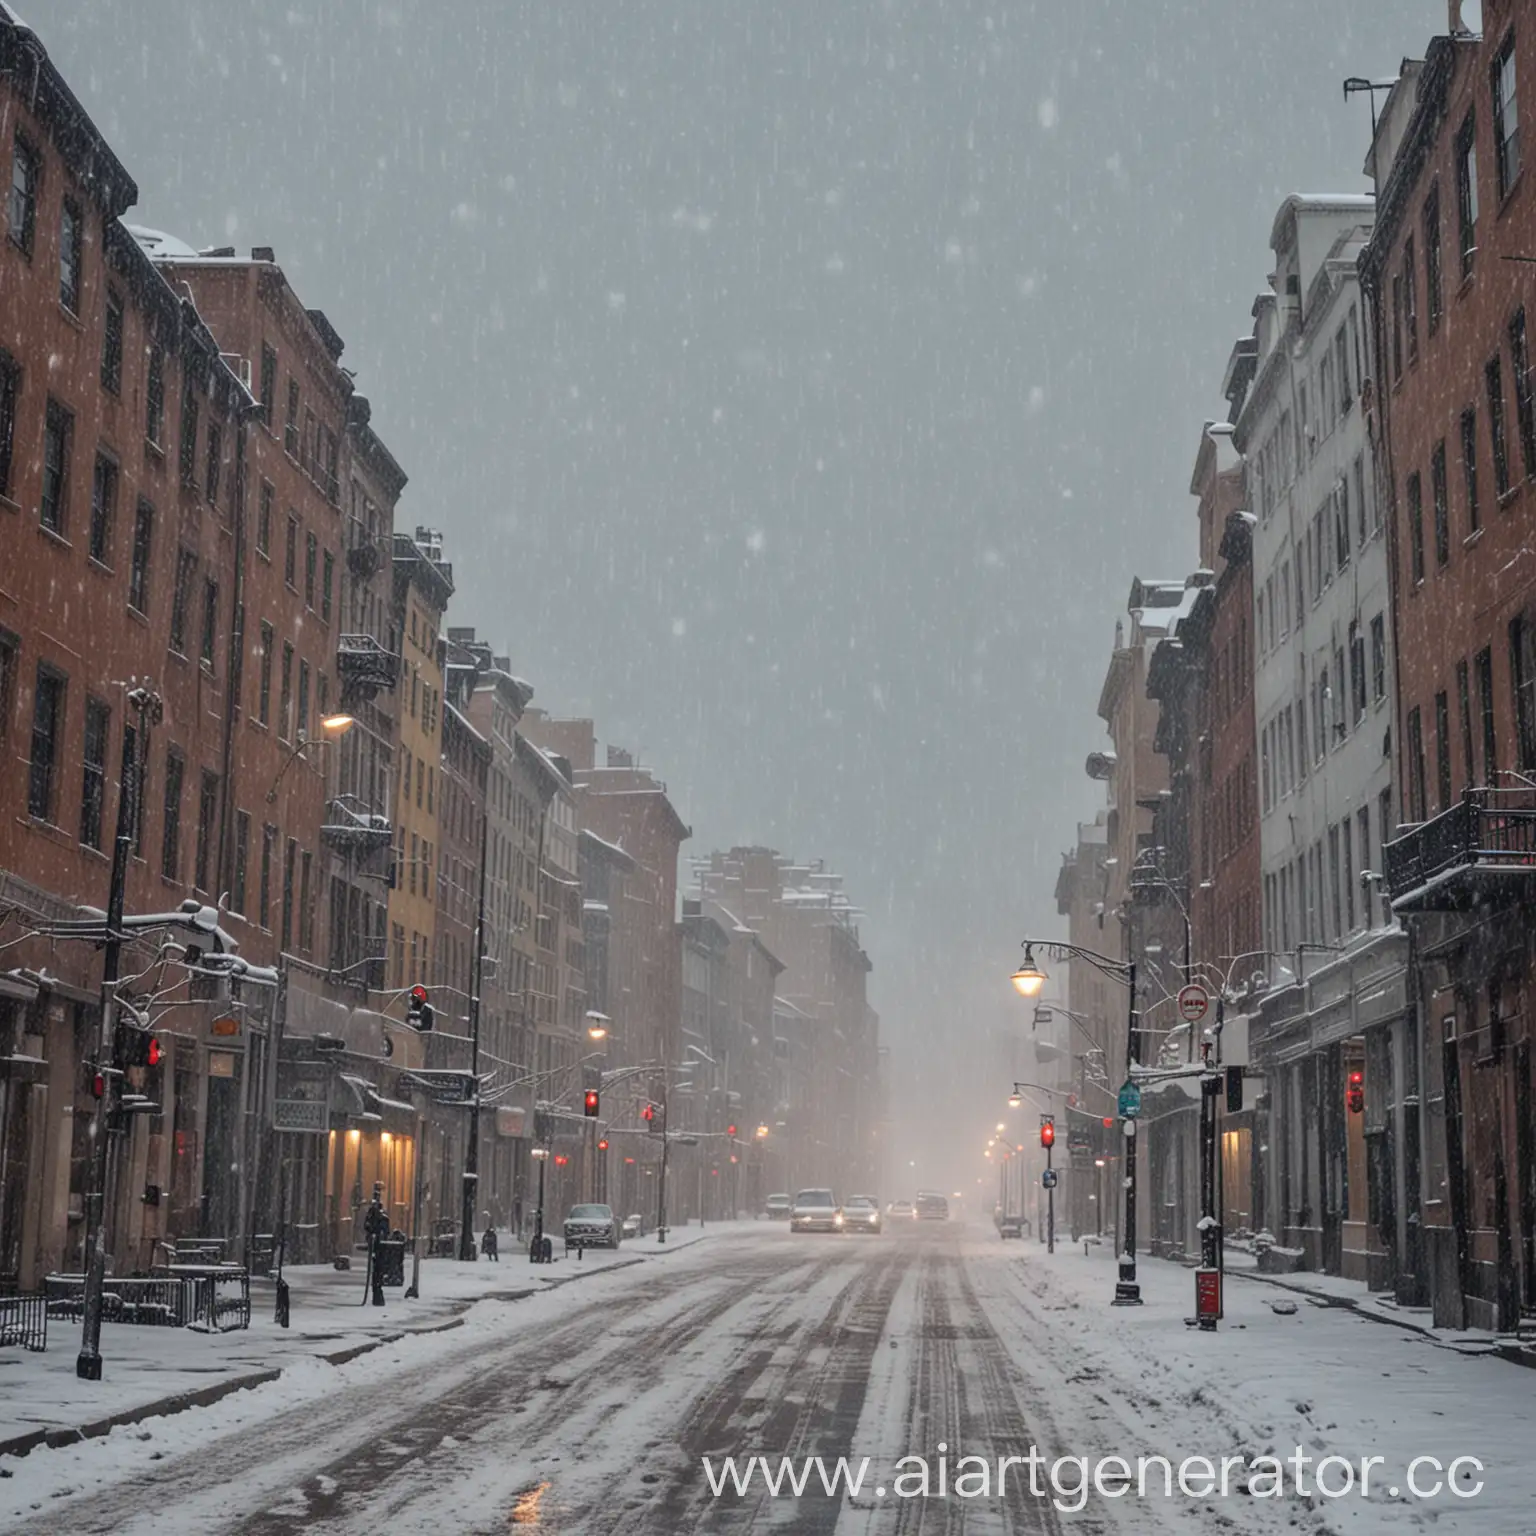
point(1056, 949)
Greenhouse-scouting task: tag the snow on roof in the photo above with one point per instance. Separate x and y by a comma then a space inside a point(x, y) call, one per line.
point(160, 246)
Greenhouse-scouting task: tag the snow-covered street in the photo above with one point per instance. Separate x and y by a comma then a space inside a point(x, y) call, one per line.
point(592, 1408)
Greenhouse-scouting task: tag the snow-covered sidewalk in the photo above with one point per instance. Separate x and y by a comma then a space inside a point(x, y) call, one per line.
point(1286, 1371)
point(148, 1372)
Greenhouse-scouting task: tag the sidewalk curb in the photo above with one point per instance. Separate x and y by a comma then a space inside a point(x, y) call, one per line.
point(204, 1397)
point(1338, 1303)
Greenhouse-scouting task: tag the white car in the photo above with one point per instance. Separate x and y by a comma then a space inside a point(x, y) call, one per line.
point(634, 1224)
point(815, 1210)
point(592, 1226)
point(861, 1214)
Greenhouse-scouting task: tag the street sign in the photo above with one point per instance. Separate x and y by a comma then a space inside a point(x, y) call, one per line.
point(1207, 1296)
point(1130, 1100)
point(1194, 1003)
point(1048, 1179)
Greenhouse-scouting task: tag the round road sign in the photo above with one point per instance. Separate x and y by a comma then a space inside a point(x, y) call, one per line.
point(1194, 1003)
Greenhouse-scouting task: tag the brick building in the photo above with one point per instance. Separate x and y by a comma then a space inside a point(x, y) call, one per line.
point(1455, 416)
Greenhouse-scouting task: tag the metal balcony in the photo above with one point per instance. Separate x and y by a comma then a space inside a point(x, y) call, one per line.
point(365, 668)
point(1480, 852)
point(351, 827)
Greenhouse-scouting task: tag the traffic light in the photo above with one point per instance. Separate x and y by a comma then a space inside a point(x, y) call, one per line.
point(602, 1146)
point(135, 1047)
point(1354, 1094)
point(730, 1130)
point(589, 1104)
point(651, 1118)
point(1234, 1090)
point(1047, 1132)
point(418, 1011)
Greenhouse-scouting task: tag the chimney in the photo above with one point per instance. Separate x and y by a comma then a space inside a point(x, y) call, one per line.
point(619, 758)
point(263, 253)
point(1456, 26)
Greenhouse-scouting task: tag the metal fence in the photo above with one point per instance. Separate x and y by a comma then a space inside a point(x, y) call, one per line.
point(24, 1321)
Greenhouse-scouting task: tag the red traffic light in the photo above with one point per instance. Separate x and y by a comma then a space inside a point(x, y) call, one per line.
point(648, 1113)
point(155, 1053)
point(98, 1086)
point(589, 1103)
point(1109, 1122)
point(560, 1160)
point(602, 1146)
point(1047, 1133)
point(1354, 1093)
point(730, 1130)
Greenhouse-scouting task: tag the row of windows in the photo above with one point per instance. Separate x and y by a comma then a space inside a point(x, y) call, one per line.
point(1320, 897)
point(274, 874)
point(1337, 699)
point(1465, 727)
point(1467, 439)
point(298, 704)
point(1322, 550)
point(22, 207)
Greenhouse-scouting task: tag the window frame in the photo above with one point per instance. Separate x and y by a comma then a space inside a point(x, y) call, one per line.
point(1506, 129)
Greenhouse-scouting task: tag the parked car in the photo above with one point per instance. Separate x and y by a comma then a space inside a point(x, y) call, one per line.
point(901, 1210)
point(777, 1207)
point(814, 1210)
point(592, 1226)
point(1009, 1224)
point(634, 1224)
point(861, 1214)
point(932, 1207)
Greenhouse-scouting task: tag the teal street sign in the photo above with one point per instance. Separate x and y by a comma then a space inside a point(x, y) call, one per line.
point(1130, 1100)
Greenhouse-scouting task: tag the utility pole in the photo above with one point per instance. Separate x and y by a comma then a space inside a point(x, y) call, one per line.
point(1127, 1290)
point(661, 1186)
point(472, 1141)
point(105, 1120)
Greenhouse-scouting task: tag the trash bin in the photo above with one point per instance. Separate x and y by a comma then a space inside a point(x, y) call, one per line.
point(389, 1257)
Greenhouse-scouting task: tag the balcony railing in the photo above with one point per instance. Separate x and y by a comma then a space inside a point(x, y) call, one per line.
point(1466, 855)
point(352, 828)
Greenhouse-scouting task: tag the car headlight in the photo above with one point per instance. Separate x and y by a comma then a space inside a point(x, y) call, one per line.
point(837, 1220)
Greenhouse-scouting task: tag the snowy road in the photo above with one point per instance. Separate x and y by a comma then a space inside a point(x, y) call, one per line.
point(589, 1409)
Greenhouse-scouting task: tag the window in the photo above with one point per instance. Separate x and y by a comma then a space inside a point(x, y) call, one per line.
point(242, 858)
point(112, 344)
point(1522, 673)
point(1397, 327)
point(289, 856)
point(1357, 690)
point(309, 445)
point(138, 569)
point(213, 463)
point(1341, 703)
point(170, 833)
point(264, 890)
point(58, 439)
point(1341, 522)
point(1493, 377)
point(291, 551)
point(1525, 412)
point(264, 694)
point(1346, 843)
point(327, 585)
point(154, 396)
point(21, 207)
point(71, 231)
point(1442, 505)
point(1416, 526)
point(93, 786)
point(1443, 749)
point(264, 521)
point(311, 558)
point(1341, 359)
point(207, 829)
point(306, 901)
point(210, 620)
point(181, 599)
point(1411, 300)
point(1466, 191)
point(285, 698)
point(1469, 467)
point(291, 425)
point(332, 475)
point(303, 709)
point(47, 741)
point(1483, 667)
point(189, 413)
point(1415, 764)
point(10, 389)
point(268, 383)
point(1363, 833)
point(1464, 710)
point(1434, 283)
point(1506, 116)
point(103, 508)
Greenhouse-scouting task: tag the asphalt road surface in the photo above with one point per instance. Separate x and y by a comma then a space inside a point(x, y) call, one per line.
point(590, 1410)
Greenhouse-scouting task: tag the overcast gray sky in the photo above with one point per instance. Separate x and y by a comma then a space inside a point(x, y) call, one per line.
point(798, 385)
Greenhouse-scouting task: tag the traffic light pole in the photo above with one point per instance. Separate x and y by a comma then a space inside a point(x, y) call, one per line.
point(1050, 1202)
point(88, 1361)
point(661, 1186)
point(467, 1249)
point(1127, 1290)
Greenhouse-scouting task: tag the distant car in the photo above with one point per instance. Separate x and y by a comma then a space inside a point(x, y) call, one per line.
point(634, 1224)
point(901, 1210)
point(592, 1226)
point(861, 1214)
point(931, 1207)
point(777, 1207)
point(815, 1210)
point(1009, 1224)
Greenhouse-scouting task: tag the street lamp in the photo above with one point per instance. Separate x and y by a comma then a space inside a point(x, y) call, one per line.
point(597, 1025)
point(1027, 981)
point(1014, 1101)
point(1029, 978)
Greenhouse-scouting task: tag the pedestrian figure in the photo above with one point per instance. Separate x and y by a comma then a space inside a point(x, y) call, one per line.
point(488, 1242)
point(375, 1227)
